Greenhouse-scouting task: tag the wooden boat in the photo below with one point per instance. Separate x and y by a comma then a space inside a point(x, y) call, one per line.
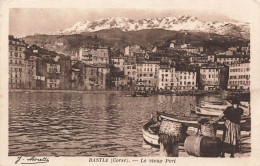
point(150, 133)
point(212, 108)
point(201, 111)
point(188, 121)
point(215, 104)
point(194, 121)
point(138, 94)
point(130, 95)
point(151, 129)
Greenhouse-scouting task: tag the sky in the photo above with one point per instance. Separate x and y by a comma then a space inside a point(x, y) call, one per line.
point(27, 21)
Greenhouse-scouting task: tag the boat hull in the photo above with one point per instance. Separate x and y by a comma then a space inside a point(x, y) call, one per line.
point(208, 111)
point(149, 137)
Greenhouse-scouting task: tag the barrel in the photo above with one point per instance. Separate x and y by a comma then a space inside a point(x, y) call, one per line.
point(203, 146)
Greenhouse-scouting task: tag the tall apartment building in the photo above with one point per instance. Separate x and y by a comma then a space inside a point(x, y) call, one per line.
point(186, 80)
point(130, 74)
point(209, 78)
point(30, 69)
point(239, 76)
point(167, 78)
point(17, 73)
point(147, 74)
point(95, 77)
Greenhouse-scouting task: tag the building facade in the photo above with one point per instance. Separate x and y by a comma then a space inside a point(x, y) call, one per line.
point(209, 78)
point(239, 76)
point(17, 72)
point(167, 79)
point(186, 80)
point(95, 77)
point(118, 62)
point(147, 74)
point(227, 60)
point(94, 55)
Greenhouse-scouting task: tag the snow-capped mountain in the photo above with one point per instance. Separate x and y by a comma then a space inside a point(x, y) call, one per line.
point(180, 23)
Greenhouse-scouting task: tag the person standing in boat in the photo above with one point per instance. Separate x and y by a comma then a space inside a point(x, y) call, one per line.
point(231, 135)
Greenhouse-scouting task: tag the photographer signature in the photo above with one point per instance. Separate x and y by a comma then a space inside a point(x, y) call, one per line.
point(31, 160)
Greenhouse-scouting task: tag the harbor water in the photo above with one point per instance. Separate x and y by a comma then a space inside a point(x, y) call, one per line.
point(78, 124)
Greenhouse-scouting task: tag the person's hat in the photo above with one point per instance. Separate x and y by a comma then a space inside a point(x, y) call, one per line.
point(235, 101)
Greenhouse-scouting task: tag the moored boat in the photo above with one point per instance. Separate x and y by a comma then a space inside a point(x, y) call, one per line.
point(216, 108)
point(150, 133)
point(139, 94)
point(151, 129)
point(209, 111)
point(194, 121)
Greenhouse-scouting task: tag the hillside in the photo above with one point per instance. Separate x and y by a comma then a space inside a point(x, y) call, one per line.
point(147, 38)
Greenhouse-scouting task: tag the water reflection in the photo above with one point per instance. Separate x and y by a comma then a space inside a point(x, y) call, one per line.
point(69, 124)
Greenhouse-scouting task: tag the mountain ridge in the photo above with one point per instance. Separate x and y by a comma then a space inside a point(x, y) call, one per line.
point(181, 23)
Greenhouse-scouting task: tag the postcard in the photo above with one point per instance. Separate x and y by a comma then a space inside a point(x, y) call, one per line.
point(130, 82)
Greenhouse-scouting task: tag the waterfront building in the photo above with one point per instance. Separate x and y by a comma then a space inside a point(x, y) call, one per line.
point(95, 77)
point(147, 74)
point(167, 78)
point(65, 70)
point(209, 77)
point(119, 81)
point(239, 76)
point(130, 74)
point(30, 69)
point(17, 73)
point(186, 80)
point(77, 82)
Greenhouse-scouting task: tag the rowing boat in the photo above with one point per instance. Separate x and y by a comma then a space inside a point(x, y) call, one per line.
point(150, 133)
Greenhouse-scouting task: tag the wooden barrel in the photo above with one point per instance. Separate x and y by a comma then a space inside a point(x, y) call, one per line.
point(203, 146)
